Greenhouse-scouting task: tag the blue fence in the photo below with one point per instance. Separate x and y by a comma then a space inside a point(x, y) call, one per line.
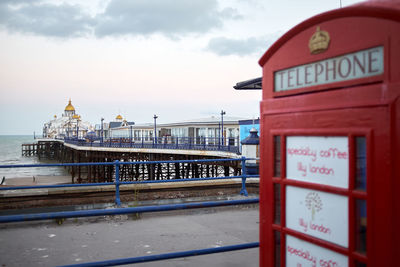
point(115, 211)
point(167, 142)
point(117, 181)
point(167, 256)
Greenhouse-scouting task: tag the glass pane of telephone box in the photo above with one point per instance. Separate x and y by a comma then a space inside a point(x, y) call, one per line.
point(360, 264)
point(277, 156)
point(361, 164)
point(277, 201)
point(277, 236)
point(361, 226)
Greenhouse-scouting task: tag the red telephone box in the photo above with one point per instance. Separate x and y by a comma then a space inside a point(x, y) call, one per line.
point(330, 141)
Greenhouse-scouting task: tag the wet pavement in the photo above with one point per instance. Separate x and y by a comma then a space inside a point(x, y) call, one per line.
point(121, 236)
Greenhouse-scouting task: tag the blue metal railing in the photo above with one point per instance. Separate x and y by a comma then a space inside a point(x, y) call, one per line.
point(117, 182)
point(115, 211)
point(167, 142)
point(119, 211)
point(167, 256)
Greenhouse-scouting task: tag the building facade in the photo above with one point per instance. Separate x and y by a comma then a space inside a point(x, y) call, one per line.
point(69, 125)
point(205, 130)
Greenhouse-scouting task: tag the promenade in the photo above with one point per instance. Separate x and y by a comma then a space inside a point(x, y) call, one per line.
point(83, 240)
point(38, 180)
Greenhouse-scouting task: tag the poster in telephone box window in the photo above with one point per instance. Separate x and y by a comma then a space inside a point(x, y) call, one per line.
point(318, 159)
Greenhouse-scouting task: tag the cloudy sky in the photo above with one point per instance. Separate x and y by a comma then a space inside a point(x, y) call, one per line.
point(175, 58)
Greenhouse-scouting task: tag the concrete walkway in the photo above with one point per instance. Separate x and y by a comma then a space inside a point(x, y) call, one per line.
point(105, 238)
point(38, 180)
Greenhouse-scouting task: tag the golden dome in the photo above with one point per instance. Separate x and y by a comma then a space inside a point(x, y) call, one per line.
point(76, 116)
point(69, 107)
point(119, 117)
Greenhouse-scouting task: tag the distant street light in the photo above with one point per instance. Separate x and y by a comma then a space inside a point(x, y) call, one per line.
point(101, 134)
point(155, 128)
point(69, 127)
point(222, 126)
point(130, 133)
point(77, 129)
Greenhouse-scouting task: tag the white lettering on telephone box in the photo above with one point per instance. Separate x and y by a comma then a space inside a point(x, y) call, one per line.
point(361, 64)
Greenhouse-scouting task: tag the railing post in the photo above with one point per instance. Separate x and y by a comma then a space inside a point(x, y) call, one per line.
point(243, 191)
point(117, 198)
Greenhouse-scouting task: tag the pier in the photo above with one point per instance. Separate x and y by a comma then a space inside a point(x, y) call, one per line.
point(81, 152)
point(42, 149)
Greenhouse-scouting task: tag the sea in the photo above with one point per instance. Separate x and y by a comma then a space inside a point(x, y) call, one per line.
point(11, 154)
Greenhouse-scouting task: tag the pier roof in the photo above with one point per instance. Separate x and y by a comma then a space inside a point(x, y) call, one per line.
point(69, 107)
point(116, 124)
point(253, 84)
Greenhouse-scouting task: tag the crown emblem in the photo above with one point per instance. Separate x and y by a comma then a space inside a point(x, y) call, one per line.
point(319, 41)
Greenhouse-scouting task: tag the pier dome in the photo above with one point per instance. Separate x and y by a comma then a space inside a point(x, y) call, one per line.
point(69, 110)
point(118, 118)
point(69, 107)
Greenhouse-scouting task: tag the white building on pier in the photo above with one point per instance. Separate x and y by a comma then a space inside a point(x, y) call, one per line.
point(206, 130)
point(69, 125)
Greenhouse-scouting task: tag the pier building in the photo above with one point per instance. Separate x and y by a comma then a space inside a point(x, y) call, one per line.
point(114, 127)
point(206, 131)
point(69, 125)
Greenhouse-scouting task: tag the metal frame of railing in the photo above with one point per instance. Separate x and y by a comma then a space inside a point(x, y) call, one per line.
point(184, 143)
point(117, 182)
point(168, 256)
point(135, 210)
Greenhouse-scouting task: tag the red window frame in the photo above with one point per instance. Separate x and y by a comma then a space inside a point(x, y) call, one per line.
point(354, 257)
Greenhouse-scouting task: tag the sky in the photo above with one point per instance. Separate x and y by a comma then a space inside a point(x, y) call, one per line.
point(178, 59)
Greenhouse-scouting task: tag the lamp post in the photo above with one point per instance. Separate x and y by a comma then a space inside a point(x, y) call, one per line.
point(130, 133)
point(155, 128)
point(101, 134)
point(77, 129)
point(69, 127)
point(222, 126)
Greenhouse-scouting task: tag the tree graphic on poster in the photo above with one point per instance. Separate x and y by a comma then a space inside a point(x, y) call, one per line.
point(313, 203)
